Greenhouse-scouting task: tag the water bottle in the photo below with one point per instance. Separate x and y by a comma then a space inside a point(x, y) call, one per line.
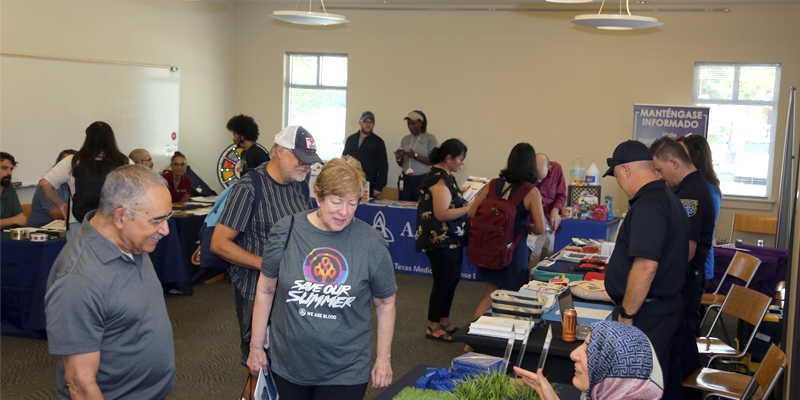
point(593, 175)
point(577, 172)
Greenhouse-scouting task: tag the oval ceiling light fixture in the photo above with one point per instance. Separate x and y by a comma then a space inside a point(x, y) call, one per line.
point(616, 22)
point(309, 17)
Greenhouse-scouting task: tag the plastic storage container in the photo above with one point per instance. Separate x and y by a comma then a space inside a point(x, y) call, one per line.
point(593, 175)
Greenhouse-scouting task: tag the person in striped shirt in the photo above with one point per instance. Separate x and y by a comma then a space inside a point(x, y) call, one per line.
point(283, 192)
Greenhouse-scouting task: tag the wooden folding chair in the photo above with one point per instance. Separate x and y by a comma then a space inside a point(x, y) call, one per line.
point(746, 305)
point(754, 224)
point(730, 385)
point(743, 266)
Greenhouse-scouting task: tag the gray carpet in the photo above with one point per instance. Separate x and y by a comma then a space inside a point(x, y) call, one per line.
point(207, 345)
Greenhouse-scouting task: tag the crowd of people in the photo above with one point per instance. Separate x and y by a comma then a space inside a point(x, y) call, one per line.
point(299, 273)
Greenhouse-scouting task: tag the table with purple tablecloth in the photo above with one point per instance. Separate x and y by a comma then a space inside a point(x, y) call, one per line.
point(771, 271)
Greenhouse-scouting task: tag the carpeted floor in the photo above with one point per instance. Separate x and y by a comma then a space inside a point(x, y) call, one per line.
point(207, 345)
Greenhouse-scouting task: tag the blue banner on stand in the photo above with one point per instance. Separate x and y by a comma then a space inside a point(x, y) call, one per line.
point(651, 122)
point(397, 226)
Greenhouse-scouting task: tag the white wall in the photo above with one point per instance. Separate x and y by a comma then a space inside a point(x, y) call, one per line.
point(198, 37)
point(494, 79)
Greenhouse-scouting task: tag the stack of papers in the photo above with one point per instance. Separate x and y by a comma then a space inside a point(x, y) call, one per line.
point(207, 199)
point(58, 224)
point(472, 187)
point(403, 204)
point(498, 327)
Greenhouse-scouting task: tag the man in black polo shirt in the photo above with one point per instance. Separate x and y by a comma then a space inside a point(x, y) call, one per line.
point(366, 147)
point(647, 270)
point(675, 167)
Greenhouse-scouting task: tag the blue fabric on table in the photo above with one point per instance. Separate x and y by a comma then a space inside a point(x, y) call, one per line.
point(25, 266)
point(397, 227)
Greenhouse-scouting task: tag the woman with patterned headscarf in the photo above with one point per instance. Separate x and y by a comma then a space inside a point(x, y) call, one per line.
point(615, 362)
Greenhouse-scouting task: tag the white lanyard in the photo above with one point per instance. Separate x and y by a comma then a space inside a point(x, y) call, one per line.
point(414, 146)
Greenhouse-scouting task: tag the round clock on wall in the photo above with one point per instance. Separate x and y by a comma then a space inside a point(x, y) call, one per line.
point(229, 167)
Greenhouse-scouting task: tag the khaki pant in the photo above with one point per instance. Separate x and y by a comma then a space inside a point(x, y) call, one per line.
point(543, 248)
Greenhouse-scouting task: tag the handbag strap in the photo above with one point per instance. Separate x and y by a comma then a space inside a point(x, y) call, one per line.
point(255, 177)
point(247, 385)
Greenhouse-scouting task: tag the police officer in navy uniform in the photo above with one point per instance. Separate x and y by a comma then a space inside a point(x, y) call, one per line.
point(647, 269)
point(675, 167)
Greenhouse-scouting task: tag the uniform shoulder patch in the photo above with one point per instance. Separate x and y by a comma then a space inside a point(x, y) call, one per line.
point(690, 206)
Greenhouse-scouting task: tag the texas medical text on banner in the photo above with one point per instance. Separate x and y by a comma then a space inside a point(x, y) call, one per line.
point(397, 226)
point(651, 122)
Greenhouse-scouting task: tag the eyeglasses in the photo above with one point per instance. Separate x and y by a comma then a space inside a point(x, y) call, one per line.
point(154, 221)
point(178, 164)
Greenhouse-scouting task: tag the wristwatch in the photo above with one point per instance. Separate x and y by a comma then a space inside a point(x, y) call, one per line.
point(415, 156)
point(625, 315)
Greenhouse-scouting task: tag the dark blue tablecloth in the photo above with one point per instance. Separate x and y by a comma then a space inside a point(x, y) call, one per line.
point(397, 226)
point(25, 266)
point(23, 280)
point(584, 229)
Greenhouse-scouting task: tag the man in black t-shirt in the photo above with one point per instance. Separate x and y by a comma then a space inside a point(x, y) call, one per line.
point(675, 167)
point(245, 134)
point(370, 150)
point(647, 269)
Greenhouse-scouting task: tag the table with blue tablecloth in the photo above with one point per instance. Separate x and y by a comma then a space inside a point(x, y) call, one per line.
point(584, 229)
point(397, 226)
point(25, 266)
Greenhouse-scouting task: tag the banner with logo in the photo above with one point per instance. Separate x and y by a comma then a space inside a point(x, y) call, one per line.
point(651, 122)
point(397, 226)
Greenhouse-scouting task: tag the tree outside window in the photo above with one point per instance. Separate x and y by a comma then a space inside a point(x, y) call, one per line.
point(316, 98)
point(743, 99)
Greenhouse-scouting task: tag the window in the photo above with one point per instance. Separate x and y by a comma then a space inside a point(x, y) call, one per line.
point(316, 98)
point(741, 131)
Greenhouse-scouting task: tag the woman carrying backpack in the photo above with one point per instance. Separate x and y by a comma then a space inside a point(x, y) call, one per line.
point(84, 172)
point(442, 232)
point(519, 175)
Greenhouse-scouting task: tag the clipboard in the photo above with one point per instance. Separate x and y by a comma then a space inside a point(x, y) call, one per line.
point(546, 347)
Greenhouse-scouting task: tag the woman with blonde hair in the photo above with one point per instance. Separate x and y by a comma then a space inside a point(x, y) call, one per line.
point(320, 270)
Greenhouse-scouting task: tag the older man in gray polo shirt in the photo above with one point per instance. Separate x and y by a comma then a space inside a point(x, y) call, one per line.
point(105, 309)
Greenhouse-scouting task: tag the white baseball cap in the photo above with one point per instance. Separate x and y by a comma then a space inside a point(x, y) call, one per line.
point(300, 142)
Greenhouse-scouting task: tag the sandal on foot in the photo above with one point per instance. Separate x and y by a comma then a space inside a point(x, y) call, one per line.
point(437, 334)
point(450, 329)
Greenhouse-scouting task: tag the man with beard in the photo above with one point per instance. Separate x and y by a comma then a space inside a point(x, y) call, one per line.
point(10, 210)
point(282, 193)
point(368, 148)
point(106, 316)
